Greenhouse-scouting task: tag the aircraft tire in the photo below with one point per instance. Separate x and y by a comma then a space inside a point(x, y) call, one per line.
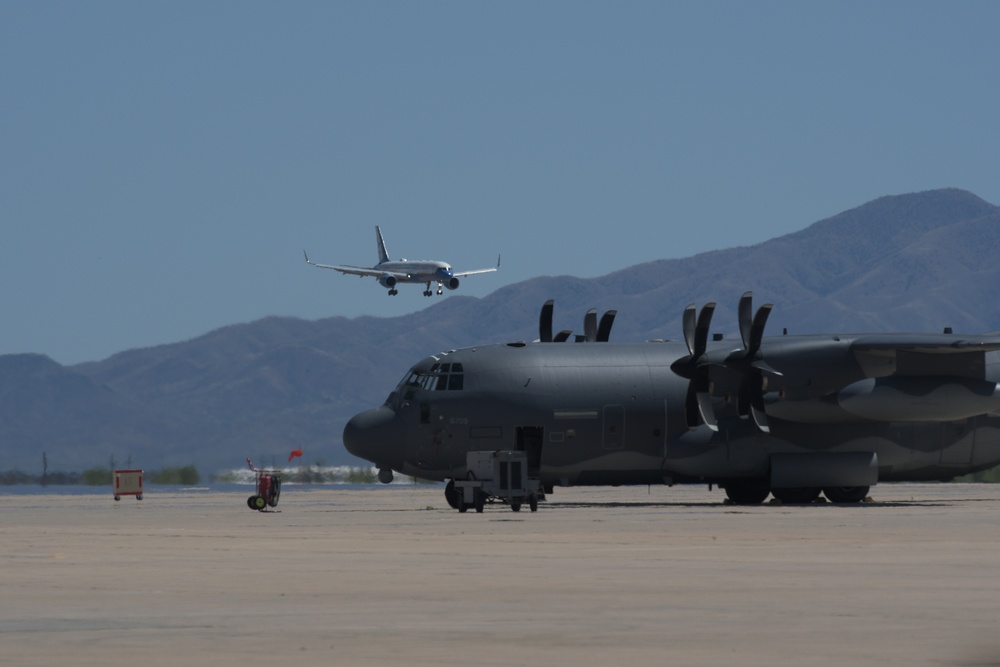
point(797, 496)
point(846, 494)
point(451, 495)
point(747, 491)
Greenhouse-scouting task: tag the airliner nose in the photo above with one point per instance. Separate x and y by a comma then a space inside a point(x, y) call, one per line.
point(374, 436)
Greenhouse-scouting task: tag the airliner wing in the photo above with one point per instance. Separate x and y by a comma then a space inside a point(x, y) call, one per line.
point(357, 270)
point(460, 274)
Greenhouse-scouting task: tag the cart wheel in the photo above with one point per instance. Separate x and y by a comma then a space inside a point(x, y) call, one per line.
point(259, 503)
point(462, 507)
point(117, 498)
point(533, 503)
point(515, 505)
point(480, 501)
point(138, 496)
point(250, 503)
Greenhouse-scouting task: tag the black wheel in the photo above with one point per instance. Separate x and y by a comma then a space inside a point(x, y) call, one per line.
point(797, 496)
point(533, 502)
point(117, 498)
point(451, 495)
point(480, 501)
point(846, 494)
point(250, 503)
point(515, 505)
point(462, 507)
point(748, 491)
point(138, 496)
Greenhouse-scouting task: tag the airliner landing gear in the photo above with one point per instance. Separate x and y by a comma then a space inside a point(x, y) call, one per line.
point(440, 289)
point(427, 292)
point(393, 292)
point(385, 475)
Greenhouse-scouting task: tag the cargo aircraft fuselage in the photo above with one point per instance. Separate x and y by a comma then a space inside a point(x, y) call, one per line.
point(790, 415)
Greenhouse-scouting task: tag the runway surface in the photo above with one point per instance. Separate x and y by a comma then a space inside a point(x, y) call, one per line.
point(597, 576)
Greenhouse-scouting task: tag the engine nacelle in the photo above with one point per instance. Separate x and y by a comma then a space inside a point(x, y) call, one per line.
point(451, 283)
point(387, 281)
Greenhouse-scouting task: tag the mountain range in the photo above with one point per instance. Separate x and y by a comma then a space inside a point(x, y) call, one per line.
point(914, 262)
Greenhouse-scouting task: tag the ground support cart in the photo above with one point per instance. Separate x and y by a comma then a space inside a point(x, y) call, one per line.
point(499, 474)
point(268, 488)
point(127, 483)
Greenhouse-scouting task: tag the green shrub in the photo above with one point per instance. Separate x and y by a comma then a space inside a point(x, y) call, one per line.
point(97, 477)
point(186, 476)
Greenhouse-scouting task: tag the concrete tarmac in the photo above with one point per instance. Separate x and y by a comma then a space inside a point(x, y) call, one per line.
point(391, 575)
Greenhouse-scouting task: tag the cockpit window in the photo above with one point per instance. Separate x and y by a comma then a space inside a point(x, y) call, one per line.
point(440, 377)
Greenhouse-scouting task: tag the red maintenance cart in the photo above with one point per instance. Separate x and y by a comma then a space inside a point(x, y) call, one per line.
point(127, 483)
point(268, 488)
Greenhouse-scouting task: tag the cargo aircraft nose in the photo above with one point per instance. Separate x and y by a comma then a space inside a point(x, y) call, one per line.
point(373, 435)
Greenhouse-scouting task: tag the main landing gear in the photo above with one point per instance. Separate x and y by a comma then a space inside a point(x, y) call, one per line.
point(393, 292)
point(756, 491)
point(429, 292)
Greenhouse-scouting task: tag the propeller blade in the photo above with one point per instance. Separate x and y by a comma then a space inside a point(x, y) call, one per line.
point(757, 328)
point(701, 330)
point(690, 315)
point(604, 329)
point(760, 419)
point(745, 312)
point(691, 411)
point(545, 322)
point(590, 325)
point(743, 398)
point(704, 400)
point(562, 336)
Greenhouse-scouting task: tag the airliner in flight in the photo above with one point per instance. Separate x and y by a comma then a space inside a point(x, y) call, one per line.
point(389, 272)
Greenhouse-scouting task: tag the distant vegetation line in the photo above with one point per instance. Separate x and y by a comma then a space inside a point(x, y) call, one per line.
point(188, 476)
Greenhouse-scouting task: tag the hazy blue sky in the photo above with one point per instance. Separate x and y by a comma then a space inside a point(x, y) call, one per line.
point(163, 165)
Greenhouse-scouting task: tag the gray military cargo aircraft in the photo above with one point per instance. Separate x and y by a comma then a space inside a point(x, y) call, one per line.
point(792, 416)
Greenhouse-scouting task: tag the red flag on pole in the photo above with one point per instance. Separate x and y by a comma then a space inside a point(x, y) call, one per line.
point(295, 452)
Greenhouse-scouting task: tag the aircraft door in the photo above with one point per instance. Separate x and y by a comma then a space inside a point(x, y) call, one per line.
point(529, 440)
point(614, 427)
point(432, 437)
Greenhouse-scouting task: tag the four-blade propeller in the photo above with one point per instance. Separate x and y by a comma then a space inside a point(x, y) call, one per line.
point(747, 363)
point(593, 332)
